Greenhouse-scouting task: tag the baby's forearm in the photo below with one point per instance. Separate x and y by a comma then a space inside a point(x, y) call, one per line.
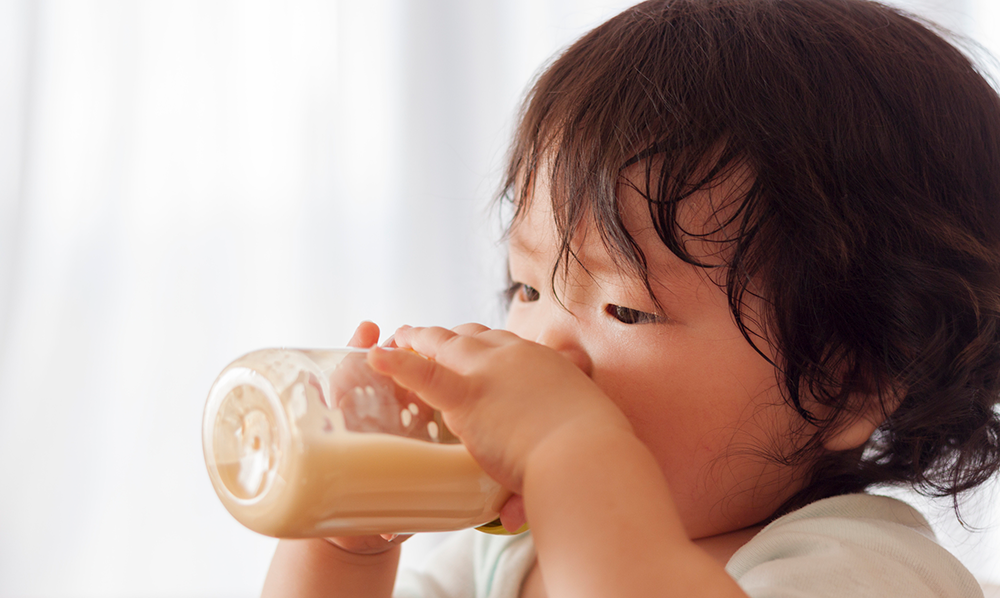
point(313, 568)
point(604, 523)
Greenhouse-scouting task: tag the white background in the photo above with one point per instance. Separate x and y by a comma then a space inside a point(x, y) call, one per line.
point(183, 181)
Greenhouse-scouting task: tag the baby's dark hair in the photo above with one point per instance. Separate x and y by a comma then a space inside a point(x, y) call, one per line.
point(868, 229)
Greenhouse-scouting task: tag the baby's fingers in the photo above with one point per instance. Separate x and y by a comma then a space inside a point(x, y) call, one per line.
point(365, 335)
point(439, 386)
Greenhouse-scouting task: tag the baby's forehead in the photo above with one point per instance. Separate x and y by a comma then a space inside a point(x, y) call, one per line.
point(533, 239)
point(645, 229)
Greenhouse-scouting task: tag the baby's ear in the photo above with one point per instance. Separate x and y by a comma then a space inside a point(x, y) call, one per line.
point(856, 428)
point(851, 434)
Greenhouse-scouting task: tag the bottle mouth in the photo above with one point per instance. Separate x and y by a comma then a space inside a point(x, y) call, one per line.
point(244, 435)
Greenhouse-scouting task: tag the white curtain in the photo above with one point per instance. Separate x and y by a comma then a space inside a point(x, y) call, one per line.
point(182, 181)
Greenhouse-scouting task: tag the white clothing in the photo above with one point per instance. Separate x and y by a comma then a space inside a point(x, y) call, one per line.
point(847, 546)
point(471, 564)
point(856, 545)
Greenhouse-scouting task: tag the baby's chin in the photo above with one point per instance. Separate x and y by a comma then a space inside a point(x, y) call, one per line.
point(512, 514)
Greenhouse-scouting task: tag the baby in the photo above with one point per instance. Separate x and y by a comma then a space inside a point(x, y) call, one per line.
point(754, 271)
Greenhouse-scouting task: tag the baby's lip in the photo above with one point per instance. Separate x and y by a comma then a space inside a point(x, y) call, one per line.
point(512, 514)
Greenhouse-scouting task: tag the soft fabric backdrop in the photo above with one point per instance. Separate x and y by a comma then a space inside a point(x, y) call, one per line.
point(183, 181)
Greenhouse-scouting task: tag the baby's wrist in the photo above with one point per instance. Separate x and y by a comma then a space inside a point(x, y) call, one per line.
point(576, 439)
point(360, 550)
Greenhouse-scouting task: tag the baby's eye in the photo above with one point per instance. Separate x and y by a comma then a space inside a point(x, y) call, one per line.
point(627, 315)
point(522, 292)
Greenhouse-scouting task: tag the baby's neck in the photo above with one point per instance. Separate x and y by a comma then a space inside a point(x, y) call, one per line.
point(723, 546)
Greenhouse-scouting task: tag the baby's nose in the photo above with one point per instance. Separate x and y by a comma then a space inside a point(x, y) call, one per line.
point(568, 346)
point(579, 358)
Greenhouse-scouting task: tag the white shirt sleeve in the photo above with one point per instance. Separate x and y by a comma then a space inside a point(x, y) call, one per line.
point(850, 546)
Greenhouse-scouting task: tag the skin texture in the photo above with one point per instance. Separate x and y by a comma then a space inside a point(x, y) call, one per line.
point(636, 433)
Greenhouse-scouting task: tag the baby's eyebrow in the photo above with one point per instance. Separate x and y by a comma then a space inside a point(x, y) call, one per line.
point(517, 244)
point(581, 260)
point(514, 241)
point(665, 269)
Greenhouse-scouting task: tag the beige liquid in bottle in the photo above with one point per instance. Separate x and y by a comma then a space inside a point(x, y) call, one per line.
point(299, 444)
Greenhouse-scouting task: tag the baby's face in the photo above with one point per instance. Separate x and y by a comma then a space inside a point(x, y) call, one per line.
point(698, 395)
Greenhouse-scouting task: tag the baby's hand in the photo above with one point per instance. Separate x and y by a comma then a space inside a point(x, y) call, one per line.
point(364, 337)
point(502, 395)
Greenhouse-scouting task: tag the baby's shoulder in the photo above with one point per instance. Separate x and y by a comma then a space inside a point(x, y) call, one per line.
point(851, 545)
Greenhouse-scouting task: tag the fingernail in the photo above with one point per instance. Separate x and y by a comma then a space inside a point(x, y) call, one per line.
point(389, 537)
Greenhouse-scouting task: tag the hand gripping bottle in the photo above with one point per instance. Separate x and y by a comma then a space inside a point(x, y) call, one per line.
point(308, 443)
